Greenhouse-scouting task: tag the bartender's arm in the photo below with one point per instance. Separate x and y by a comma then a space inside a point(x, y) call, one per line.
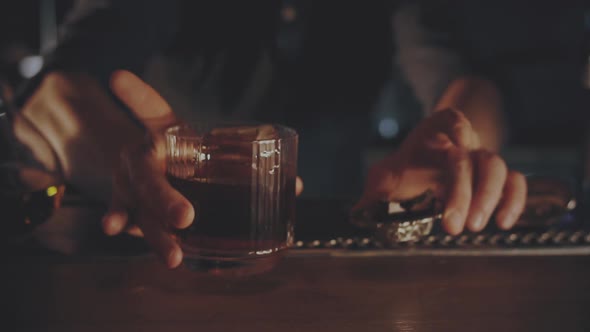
point(453, 150)
point(440, 74)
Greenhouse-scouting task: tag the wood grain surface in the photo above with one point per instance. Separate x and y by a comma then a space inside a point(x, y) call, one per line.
point(91, 283)
point(423, 293)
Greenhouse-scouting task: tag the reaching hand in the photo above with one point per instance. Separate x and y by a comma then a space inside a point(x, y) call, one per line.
point(443, 154)
point(143, 202)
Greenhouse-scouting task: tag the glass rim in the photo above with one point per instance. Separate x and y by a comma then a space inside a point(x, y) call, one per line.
point(286, 132)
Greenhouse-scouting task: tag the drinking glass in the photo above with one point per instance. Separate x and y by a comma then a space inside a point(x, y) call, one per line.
point(240, 179)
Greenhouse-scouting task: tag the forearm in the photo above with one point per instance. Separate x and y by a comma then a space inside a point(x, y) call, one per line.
point(481, 101)
point(439, 72)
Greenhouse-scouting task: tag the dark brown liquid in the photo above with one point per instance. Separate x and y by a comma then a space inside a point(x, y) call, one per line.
point(232, 219)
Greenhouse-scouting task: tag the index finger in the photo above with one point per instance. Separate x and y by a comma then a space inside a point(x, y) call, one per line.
point(456, 126)
point(145, 103)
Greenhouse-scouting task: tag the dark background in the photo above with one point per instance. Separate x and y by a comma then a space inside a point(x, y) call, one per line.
point(534, 52)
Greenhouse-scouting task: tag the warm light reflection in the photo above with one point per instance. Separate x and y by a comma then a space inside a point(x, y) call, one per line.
point(264, 252)
point(404, 325)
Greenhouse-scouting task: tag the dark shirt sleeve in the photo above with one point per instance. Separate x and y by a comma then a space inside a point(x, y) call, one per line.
point(99, 36)
point(428, 52)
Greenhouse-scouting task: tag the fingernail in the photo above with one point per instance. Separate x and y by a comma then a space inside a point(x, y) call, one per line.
point(454, 222)
point(508, 220)
point(477, 221)
point(174, 258)
point(180, 215)
point(112, 224)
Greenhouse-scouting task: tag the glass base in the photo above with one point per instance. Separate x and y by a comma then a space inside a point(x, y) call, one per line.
point(230, 265)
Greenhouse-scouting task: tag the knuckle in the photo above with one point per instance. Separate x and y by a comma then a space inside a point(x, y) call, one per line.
point(488, 202)
point(496, 161)
point(517, 177)
point(459, 159)
point(461, 125)
point(491, 159)
point(489, 192)
point(456, 118)
point(62, 102)
point(64, 111)
point(463, 165)
point(465, 195)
